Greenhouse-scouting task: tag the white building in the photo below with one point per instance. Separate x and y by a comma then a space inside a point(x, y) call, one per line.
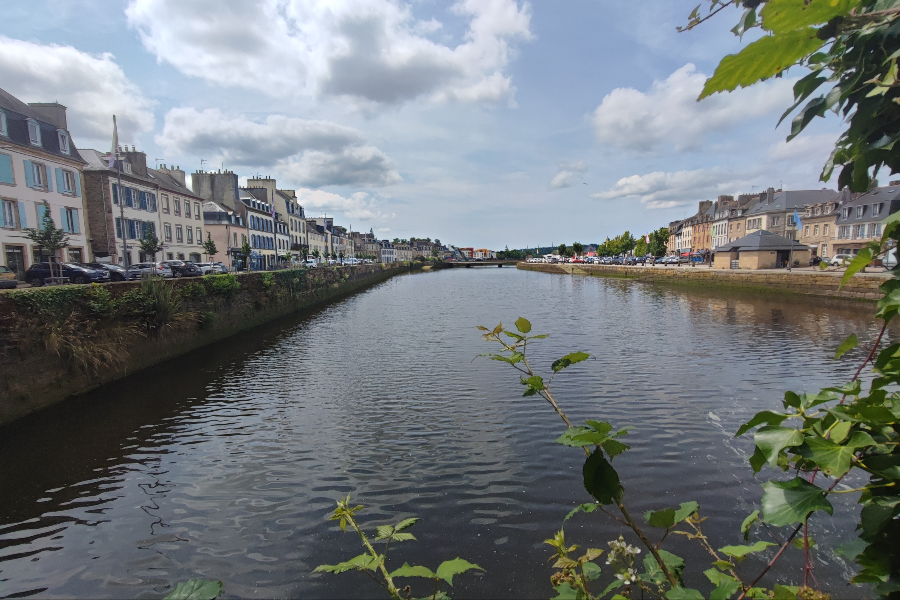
point(38, 163)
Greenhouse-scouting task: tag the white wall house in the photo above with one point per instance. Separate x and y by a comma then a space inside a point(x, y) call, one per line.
point(38, 163)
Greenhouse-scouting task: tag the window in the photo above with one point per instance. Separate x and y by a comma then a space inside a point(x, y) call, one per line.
point(142, 200)
point(151, 201)
point(177, 206)
point(34, 132)
point(115, 193)
point(199, 236)
point(36, 175)
point(70, 220)
point(776, 221)
point(818, 211)
point(118, 227)
point(76, 255)
point(65, 181)
point(190, 235)
point(877, 232)
point(876, 209)
point(179, 234)
point(806, 231)
point(167, 232)
point(235, 239)
point(197, 210)
point(63, 141)
point(824, 229)
point(165, 203)
point(816, 230)
point(9, 215)
point(129, 197)
point(131, 227)
point(4, 131)
point(859, 211)
point(187, 209)
point(845, 213)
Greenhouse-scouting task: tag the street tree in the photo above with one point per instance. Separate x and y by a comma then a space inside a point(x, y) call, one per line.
point(150, 244)
point(578, 248)
point(246, 251)
point(209, 247)
point(49, 238)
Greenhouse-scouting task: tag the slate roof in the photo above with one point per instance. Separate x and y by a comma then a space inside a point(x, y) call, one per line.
point(792, 200)
point(17, 115)
point(889, 196)
point(761, 240)
point(97, 161)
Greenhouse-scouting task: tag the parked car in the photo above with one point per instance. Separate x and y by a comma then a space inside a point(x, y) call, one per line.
point(141, 270)
point(211, 268)
point(8, 279)
point(115, 272)
point(183, 268)
point(37, 273)
point(310, 263)
point(814, 261)
point(841, 259)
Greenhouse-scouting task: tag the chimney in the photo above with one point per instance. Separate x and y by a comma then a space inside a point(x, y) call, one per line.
point(770, 195)
point(53, 112)
point(175, 173)
point(138, 161)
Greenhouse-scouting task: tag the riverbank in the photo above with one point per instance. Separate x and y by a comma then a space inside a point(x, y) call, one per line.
point(864, 286)
point(59, 342)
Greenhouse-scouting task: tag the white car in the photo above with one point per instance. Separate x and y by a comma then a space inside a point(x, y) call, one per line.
point(310, 263)
point(841, 259)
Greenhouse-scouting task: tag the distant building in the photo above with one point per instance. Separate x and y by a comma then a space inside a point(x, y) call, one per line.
point(761, 250)
point(860, 219)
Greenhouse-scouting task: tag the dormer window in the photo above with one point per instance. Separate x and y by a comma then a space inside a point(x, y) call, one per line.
point(34, 132)
point(63, 141)
point(4, 131)
point(845, 213)
point(876, 209)
point(859, 211)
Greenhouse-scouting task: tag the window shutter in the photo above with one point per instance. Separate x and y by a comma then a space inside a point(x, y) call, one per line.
point(3, 216)
point(6, 169)
point(77, 177)
point(23, 220)
point(75, 223)
point(63, 220)
point(29, 173)
point(41, 210)
point(47, 179)
point(60, 184)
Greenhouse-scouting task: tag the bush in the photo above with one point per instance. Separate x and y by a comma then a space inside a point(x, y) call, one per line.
point(225, 285)
point(192, 291)
point(268, 279)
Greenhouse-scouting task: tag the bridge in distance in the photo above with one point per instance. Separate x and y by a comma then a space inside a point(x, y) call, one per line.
point(468, 264)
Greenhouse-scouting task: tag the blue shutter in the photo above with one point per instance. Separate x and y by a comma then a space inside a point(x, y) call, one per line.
point(6, 169)
point(129, 197)
point(75, 222)
point(60, 184)
point(115, 193)
point(64, 220)
point(152, 202)
point(23, 220)
point(77, 177)
point(119, 231)
point(49, 181)
point(29, 173)
point(41, 210)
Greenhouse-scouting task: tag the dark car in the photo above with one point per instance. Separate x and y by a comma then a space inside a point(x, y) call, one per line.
point(75, 273)
point(814, 261)
point(115, 272)
point(183, 268)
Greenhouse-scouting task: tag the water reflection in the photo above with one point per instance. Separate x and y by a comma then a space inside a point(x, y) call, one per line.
point(225, 463)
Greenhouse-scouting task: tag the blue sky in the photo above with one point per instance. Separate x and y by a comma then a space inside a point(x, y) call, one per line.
point(479, 122)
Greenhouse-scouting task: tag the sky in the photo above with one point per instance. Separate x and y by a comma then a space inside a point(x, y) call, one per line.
point(485, 123)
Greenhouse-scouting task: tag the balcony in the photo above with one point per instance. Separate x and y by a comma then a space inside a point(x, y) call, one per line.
point(297, 247)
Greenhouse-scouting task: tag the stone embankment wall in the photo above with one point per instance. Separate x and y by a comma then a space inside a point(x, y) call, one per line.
point(57, 342)
point(808, 283)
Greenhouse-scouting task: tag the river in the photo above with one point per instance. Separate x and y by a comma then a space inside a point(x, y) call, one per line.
point(225, 463)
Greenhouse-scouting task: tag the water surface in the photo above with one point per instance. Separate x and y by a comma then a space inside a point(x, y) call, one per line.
point(226, 462)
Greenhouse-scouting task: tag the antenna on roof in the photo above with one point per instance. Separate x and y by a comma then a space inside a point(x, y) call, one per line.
point(202, 160)
point(157, 161)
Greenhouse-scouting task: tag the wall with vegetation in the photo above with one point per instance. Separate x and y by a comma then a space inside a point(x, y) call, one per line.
point(56, 342)
point(807, 283)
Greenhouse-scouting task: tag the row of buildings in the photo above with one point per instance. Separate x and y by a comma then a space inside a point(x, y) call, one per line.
point(831, 223)
point(108, 204)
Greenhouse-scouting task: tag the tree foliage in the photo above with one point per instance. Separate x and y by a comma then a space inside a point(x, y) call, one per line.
point(850, 48)
point(209, 246)
point(48, 237)
point(150, 244)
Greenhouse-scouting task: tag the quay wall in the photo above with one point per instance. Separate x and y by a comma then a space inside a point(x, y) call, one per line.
point(54, 343)
point(806, 283)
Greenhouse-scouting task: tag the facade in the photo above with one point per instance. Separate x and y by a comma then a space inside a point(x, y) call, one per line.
point(761, 250)
point(388, 252)
point(148, 201)
point(421, 248)
point(261, 229)
point(673, 245)
point(775, 210)
point(819, 224)
point(727, 224)
point(38, 163)
point(859, 220)
point(404, 252)
point(229, 232)
point(292, 237)
point(317, 239)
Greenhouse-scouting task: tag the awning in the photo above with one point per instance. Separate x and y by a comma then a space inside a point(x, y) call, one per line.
point(685, 253)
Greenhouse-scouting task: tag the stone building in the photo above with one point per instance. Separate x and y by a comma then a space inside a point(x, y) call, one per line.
point(859, 220)
point(761, 250)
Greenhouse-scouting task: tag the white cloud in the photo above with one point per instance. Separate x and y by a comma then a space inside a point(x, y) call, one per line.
point(669, 114)
point(567, 172)
point(93, 87)
point(358, 205)
point(308, 152)
point(374, 51)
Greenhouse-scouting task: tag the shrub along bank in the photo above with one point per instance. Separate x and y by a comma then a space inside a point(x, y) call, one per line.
point(56, 342)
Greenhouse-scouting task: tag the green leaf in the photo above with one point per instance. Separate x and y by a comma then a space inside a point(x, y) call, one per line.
point(726, 585)
point(661, 518)
point(680, 593)
point(578, 437)
point(851, 550)
point(404, 537)
point(523, 325)
point(840, 431)
point(788, 502)
point(757, 460)
point(743, 551)
point(614, 448)
point(748, 21)
point(748, 523)
point(616, 584)
point(383, 531)
point(785, 592)
point(674, 563)
point(685, 510)
point(859, 262)
point(787, 15)
point(447, 569)
point(601, 480)
point(769, 417)
point(590, 571)
point(363, 561)
point(849, 344)
point(601, 427)
point(723, 564)
point(803, 89)
point(762, 59)
point(569, 359)
point(196, 589)
point(772, 440)
point(587, 508)
point(834, 460)
point(797, 542)
point(406, 523)
point(409, 571)
point(565, 591)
